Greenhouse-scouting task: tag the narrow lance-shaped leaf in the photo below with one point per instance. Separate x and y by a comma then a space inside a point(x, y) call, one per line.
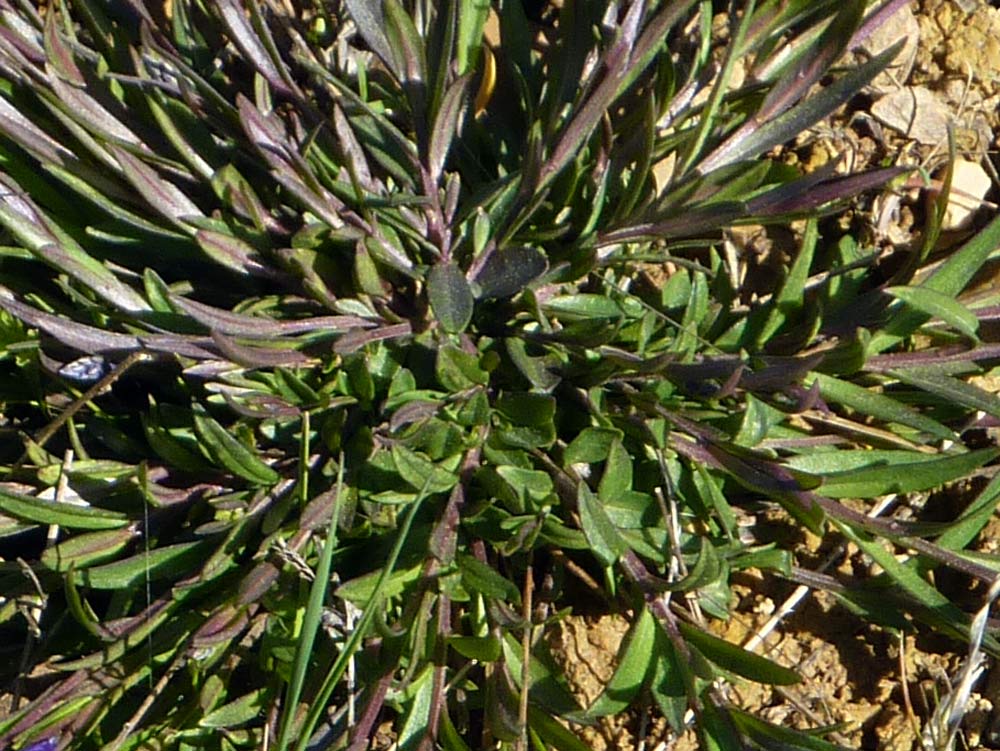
point(939, 305)
point(814, 62)
point(949, 279)
point(445, 126)
point(89, 339)
point(67, 515)
point(45, 239)
point(250, 44)
point(756, 137)
point(808, 193)
point(165, 197)
point(369, 17)
point(232, 454)
point(875, 404)
point(602, 534)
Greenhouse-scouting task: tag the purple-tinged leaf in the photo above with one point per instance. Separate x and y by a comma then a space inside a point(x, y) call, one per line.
point(405, 43)
point(369, 17)
point(257, 357)
point(506, 272)
point(757, 136)
point(419, 410)
point(30, 137)
point(814, 62)
point(352, 149)
point(287, 166)
point(237, 324)
point(47, 744)
point(232, 253)
point(48, 242)
point(450, 297)
point(445, 126)
point(224, 625)
point(938, 356)
point(59, 56)
point(875, 20)
point(195, 347)
point(160, 194)
point(81, 337)
point(21, 42)
point(697, 221)
point(261, 406)
point(356, 339)
point(265, 133)
point(92, 115)
point(253, 49)
point(623, 62)
point(109, 196)
point(808, 193)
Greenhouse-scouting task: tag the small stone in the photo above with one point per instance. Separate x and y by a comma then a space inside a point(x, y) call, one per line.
point(900, 25)
point(916, 112)
point(969, 186)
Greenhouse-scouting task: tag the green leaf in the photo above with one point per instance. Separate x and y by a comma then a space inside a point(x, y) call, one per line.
point(770, 736)
point(239, 711)
point(458, 370)
point(472, 16)
point(604, 538)
point(669, 681)
point(552, 733)
point(87, 549)
point(939, 305)
point(415, 726)
point(169, 562)
point(949, 279)
point(952, 390)
point(582, 307)
point(450, 297)
point(790, 300)
point(31, 509)
point(972, 520)
point(873, 404)
point(636, 665)
point(363, 588)
point(905, 576)
point(481, 578)
point(904, 477)
point(231, 453)
point(591, 445)
point(419, 472)
point(737, 660)
point(483, 648)
point(531, 417)
point(617, 478)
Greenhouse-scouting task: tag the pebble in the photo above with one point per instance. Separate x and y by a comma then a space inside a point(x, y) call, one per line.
point(916, 112)
point(900, 25)
point(969, 186)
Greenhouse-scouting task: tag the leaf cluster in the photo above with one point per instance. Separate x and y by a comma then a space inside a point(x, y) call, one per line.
point(337, 387)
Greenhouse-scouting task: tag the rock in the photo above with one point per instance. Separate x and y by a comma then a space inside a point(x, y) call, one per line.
point(900, 25)
point(916, 112)
point(969, 186)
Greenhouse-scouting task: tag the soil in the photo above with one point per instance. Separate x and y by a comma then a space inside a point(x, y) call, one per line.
point(878, 688)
